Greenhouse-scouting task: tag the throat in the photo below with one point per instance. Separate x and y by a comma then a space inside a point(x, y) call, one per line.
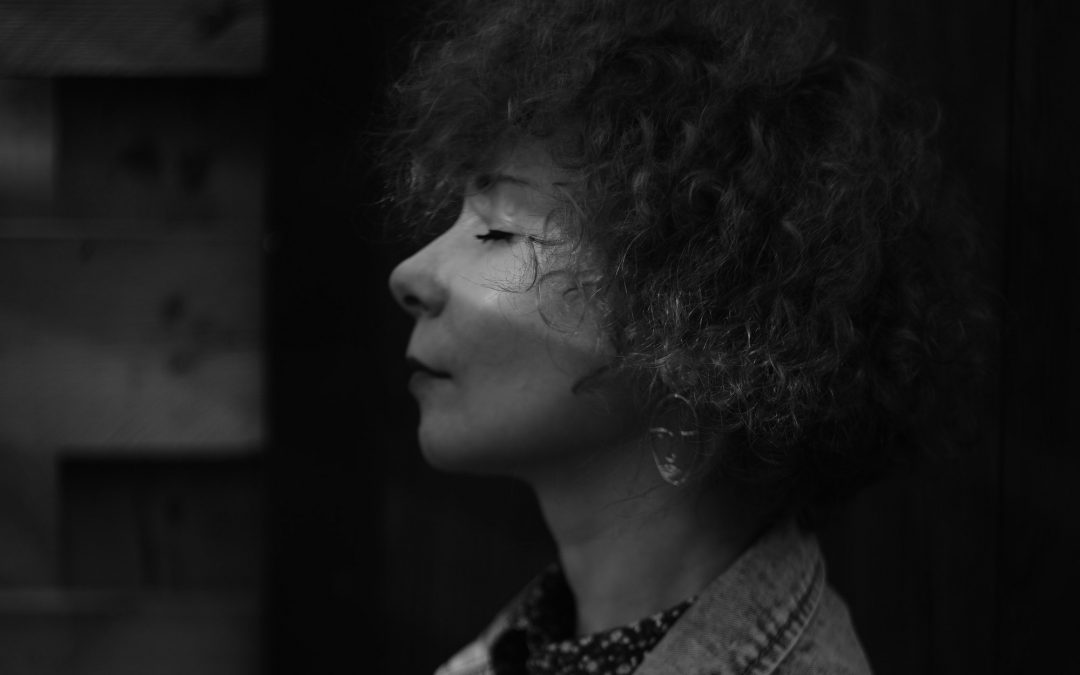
point(631, 558)
point(615, 590)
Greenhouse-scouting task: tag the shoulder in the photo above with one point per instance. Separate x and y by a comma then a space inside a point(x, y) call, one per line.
point(771, 613)
point(828, 645)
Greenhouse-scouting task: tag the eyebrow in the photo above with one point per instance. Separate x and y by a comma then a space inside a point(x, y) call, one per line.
point(498, 177)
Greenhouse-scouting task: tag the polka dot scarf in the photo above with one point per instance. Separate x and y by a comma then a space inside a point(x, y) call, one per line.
point(541, 638)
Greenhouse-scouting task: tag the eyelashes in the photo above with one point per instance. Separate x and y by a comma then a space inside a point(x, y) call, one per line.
point(495, 235)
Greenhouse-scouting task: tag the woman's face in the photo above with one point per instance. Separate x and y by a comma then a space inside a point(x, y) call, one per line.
point(501, 342)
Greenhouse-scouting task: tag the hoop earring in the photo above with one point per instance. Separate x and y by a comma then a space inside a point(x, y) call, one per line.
point(675, 470)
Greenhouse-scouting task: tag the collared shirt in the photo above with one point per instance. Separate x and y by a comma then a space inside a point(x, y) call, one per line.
point(769, 613)
point(541, 638)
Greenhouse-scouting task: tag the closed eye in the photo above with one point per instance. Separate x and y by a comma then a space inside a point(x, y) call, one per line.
point(495, 235)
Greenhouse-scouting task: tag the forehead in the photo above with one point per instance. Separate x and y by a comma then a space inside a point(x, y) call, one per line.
point(527, 179)
point(530, 164)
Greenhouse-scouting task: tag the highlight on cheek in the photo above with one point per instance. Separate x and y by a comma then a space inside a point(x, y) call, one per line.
point(506, 261)
point(526, 247)
point(524, 244)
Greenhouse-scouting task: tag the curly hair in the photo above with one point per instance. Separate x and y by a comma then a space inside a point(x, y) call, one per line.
point(775, 241)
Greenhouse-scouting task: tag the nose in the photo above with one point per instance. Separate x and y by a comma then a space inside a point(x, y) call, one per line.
point(415, 285)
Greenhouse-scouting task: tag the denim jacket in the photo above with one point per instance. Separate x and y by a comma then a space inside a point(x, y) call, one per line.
point(770, 613)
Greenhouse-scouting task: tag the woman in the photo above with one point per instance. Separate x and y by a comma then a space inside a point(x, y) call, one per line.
point(693, 278)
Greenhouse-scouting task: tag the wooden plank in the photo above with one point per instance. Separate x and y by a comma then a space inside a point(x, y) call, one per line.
point(140, 344)
point(28, 516)
point(131, 37)
point(190, 522)
point(98, 633)
point(27, 147)
point(1040, 467)
point(181, 155)
point(218, 230)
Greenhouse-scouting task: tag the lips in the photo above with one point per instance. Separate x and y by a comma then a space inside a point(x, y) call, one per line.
point(418, 366)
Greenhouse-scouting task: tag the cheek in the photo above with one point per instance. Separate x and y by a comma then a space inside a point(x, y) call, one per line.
point(534, 335)
point(515, 403)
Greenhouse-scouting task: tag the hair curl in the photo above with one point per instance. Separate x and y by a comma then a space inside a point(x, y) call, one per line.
point(775, 239)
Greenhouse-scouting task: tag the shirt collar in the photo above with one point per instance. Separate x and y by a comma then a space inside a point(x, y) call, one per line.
point(744, 622)
point(541, 637)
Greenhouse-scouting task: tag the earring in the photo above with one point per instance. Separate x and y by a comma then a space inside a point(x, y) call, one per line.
point(674, 467)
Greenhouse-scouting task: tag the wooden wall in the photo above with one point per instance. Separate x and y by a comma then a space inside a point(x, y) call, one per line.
point(131, 339)
point(132, 171)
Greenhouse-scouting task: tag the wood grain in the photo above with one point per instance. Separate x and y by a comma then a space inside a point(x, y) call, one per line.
point(109, 633)
point(184, 155)
point(27, 147)
point(132, 37)
point(130, 344)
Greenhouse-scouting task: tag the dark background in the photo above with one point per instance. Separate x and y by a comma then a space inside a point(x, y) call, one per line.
point(207, 451)
point(964, 567)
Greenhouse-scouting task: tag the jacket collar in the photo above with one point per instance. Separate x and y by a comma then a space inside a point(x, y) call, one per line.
point(743, 623)
point(748, 619)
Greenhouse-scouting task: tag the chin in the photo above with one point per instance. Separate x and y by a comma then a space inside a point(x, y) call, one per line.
point(469, 456)
point(443, 454)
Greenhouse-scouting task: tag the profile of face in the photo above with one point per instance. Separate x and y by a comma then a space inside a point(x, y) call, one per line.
point(501, 341)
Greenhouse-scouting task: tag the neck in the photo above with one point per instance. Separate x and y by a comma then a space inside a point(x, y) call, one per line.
point(630, 544)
